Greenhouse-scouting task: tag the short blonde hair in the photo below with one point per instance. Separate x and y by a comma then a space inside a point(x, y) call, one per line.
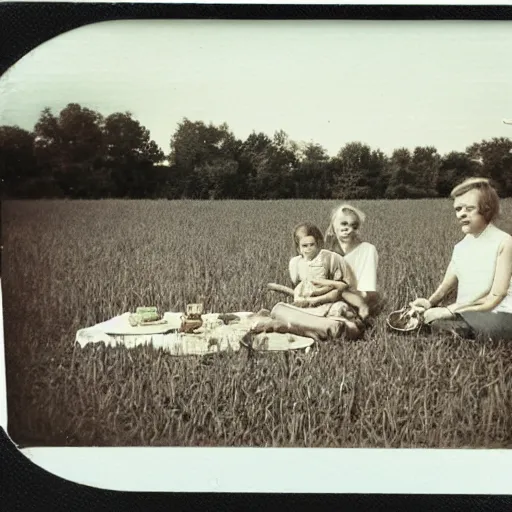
point(488, 200)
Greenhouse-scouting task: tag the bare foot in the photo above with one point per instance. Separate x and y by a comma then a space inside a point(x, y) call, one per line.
point(353, 329)
point(364, 311)
point(260, 325)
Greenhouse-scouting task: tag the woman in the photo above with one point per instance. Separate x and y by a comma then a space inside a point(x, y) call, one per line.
point(342, 236)
point(480, 269)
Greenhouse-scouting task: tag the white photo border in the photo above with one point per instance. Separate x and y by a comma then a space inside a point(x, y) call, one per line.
point(301, 470)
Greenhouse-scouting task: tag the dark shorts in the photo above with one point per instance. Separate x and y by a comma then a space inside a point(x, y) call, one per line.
point(473, 324)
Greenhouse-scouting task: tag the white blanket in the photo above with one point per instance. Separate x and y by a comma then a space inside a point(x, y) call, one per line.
point(212, 337)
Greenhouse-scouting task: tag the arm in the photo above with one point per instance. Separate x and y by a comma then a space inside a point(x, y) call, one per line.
point(436, 313)
point(341, 273)
point(280, 288)
point(330, 292)
point(322, 290)
point(293, 268)
point(367, 278)
point(329, 283)
point(294, 276)
point(500, 284)
point(449, 282)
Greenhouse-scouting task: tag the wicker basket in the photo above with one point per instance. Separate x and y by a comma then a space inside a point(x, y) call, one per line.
point(405, 320)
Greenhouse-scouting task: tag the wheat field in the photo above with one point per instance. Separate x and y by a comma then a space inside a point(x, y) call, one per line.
point(71, 264)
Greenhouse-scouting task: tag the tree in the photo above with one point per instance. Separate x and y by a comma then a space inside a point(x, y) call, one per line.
point(254, 165)
point(425, 166)
point(355, 171)
point(313, 176)
point(378, 177)
point(69, 148)
point(454, 168)
point(496, 161)
point(311, 152)
point(402, 182)
point(90, 156)
point(17, 160)
point(269, 165)
point(202, 153)
point(127, 140)
point(217, 177)
point(130, 155)
point(283, 159)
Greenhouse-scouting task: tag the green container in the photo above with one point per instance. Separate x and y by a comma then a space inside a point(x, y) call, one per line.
point(149, 317)
point(143, 310)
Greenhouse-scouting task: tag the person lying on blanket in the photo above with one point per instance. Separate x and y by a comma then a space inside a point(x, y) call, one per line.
point(313, 263)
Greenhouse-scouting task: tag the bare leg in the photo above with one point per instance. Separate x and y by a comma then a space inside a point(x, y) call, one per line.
point(289, 319)
point(302, 323)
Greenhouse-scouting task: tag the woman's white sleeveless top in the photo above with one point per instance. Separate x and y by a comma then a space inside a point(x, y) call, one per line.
point(474, 264)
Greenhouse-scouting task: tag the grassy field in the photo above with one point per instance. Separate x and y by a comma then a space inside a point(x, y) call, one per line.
point(70, 264)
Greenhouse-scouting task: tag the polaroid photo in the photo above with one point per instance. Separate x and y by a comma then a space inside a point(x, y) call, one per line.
point(261, 255)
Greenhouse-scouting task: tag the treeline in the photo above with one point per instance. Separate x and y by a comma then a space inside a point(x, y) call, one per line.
point(81, 154)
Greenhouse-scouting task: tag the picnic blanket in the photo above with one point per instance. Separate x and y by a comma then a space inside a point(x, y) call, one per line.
point(214, 335)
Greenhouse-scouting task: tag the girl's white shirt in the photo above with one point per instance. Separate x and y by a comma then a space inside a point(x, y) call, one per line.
point(474, 263)
point(363, 261)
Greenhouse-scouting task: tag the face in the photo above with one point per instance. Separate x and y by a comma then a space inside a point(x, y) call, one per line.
point(346, 226)
point(308, 247)
point(466, 210)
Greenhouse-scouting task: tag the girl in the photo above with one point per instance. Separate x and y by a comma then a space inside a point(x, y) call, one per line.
point(320, 277)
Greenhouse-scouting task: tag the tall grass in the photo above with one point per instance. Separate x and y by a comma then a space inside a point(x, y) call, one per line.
point(71, 264)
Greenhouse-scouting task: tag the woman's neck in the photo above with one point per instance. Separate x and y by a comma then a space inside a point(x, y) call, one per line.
point(476, 235)
point(350, 244)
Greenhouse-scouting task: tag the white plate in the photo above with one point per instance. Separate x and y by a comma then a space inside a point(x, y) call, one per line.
point(275, 341)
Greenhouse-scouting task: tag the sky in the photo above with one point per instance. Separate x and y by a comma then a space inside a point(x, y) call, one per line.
point(389, 84)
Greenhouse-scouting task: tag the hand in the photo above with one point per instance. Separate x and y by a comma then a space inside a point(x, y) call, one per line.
point(433, 314)
point(421, 304)
point(301, 302)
